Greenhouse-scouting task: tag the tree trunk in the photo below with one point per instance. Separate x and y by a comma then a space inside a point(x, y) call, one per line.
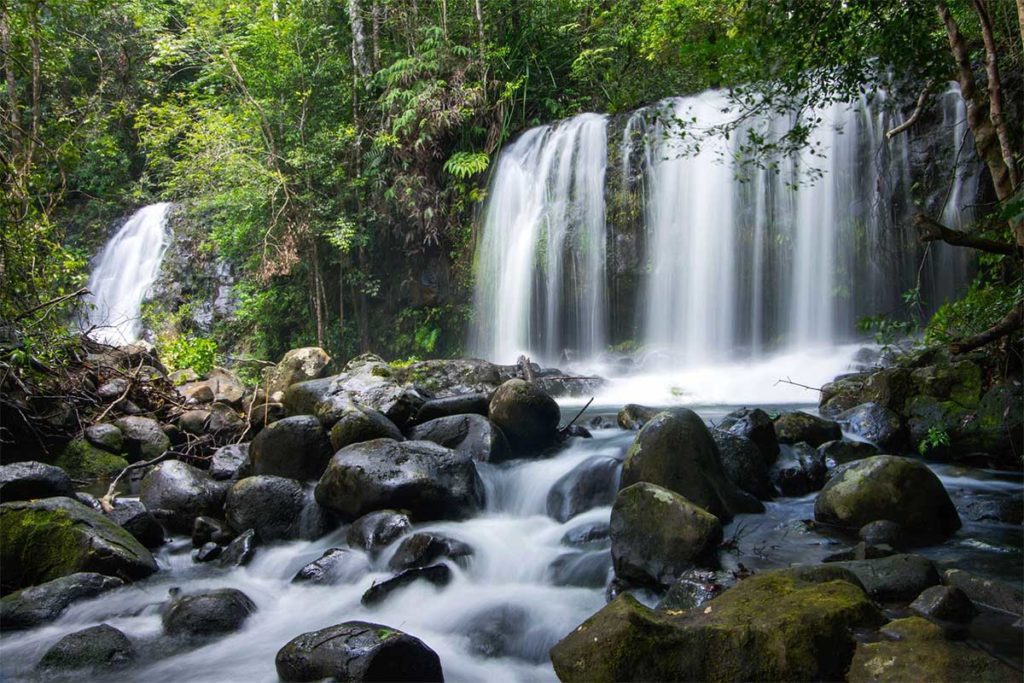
point(995, 91)
point(358, 42)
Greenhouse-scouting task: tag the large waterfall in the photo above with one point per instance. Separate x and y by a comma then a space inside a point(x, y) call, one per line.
point(123, 274)
point(729, 262)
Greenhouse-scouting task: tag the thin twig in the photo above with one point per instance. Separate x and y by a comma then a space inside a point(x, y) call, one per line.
point(797, 384)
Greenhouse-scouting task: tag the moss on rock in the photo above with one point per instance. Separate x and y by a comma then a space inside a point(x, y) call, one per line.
point(82, 460)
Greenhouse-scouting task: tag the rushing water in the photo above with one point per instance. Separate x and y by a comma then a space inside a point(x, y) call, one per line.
point(513, 577)
point(123, 274)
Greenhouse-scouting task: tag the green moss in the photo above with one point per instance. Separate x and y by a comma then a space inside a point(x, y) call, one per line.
point(82, 460)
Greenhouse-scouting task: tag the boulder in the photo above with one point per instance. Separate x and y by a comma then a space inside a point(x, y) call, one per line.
point(799, 470)
point(902, 490)
point(227, 387)
point(503, 631)
point(276, 508)
point(230, 462)
point(105, 436)
point(210, 530)
point(593, 483)
point(113, 388)
point(49, 538)
point(915, 650)
point(799, 426)
point(133, 517)
point(302, 398)
point(196, 392)
point(526, 414)
point(422, 549)
point(472, 435)
point(429, 481)
point(376, 530)
point(29, 479)
point(42, 604)
point(459, 404)
point(295, 447)
point(97, 648)
point(587, 569)
point(693, 588)
point(744, 464)
point(657, 534)
point(894, 578)
point(876, 424)
point(144, 438)
point(208, 552)
point(772, 626)
point(297, 365)
point(354, 424)
point(756, 425)
point(882, 531)
point(587, 535)
point(212, 612)
point(675, 450)
point(240, 551)
point(224, 422)
point(947, 603)
point(841, 394)
point(842, 451)
point(358, 651)
point(335, 566)
point(438, 575)
point(985, 591)
point(633, 416)
point(177, 493)
point(81, 460)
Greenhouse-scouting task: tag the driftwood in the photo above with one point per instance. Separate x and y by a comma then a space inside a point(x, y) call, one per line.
point(525, 369)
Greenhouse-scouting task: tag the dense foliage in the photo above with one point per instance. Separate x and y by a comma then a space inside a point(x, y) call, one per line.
point(336, 151)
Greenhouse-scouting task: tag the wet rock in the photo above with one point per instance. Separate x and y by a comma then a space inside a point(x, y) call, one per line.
point(657, 534)
point(144, 439)
point(302, 398)
point(438, 575)
point(264, 414)
point(183, 376)
point(473, 435)
point(884, 532)
point(355, 424)
point(230, 462)
point(376, 530)
point(502, 631)
point(999, 508)
point(429, 481)
point(526, 414)
point(210, 530)
point(917, 651)
point(295, 447)
point(772, 626)
point(227, 387)
point(675, 450)
point(134, 518)
point(211, 612)
point(756, 425)
point(105, 436)
point(842, 451)
point(195, 421)
point(422, 549)
point(634, 416)
point(799, 470)
point(861, 551)
point(744, 464)
point(799, 426)
point(894, 578)
point(948, 603)
point(81, 460)
point(240, 551)
point(593, 533)
point(275, 508)
point(177, 493)
point(113, 388)
point(49, 538)
point(460, 404)
point(335, 566)
point(208, 552)
point(876, 424)
point(694, 588)
point(902, 490)
point(841, 394)
point(224, 423)
point(592, 483)
point(358, 651)
point(196, 392)
point(297, 365)
point(42, 604)
point(590, 569)
point(29, 479)
point(100, 647)
point(984, 591)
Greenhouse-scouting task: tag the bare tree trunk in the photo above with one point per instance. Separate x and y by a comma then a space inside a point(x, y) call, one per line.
point(37, 87)
point(480, 31)
point(375, 19)
point(12, 85)
point(355, 18)
point(444, 19)
point(995, 91)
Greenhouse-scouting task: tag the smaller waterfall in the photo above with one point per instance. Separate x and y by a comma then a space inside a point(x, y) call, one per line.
point(124, 272)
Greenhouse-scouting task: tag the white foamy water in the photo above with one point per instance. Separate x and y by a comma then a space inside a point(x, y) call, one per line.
point(123, 274)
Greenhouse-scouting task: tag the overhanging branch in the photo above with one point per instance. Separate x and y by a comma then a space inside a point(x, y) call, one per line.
point(1008, 325)
point(930, 230)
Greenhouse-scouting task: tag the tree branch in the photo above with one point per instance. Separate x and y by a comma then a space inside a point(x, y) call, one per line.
point(922, 100)
point(995, 91)
point(930, 230)
point(1013, 321)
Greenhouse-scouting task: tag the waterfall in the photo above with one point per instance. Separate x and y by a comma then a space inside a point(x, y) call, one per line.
point(734, 260)
point(123, 274)
point(540, 266)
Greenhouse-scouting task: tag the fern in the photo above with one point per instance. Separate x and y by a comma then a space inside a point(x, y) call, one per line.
point(466, 164)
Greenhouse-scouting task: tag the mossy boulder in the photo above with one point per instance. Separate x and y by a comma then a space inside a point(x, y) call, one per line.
point(798, 426)
point(353, 423)
point(633, 416)
point(958, 382)
point(657, 534)
point(902, 490)
point(49, 538)
point(675, 450)
point(841, 394)
point(297, 365)
point(144, 438)
point(890, 388)
point(106, 436)
point(98, 648)
point(526, 415)
point(774, 626)
point(916, 651)
point(894, 578)
point(81, 460)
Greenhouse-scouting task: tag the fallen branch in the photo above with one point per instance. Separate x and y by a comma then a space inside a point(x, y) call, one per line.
point(107, 501)
point(565, 429)
point(52, 302)
point(797, 384)
point(930, 230)
point(1013, 321)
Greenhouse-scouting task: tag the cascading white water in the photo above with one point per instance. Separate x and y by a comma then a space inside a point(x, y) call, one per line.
point(124, 272)
point(540, 266)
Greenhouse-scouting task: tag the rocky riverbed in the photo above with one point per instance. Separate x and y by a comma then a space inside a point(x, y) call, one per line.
point(444, 519)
